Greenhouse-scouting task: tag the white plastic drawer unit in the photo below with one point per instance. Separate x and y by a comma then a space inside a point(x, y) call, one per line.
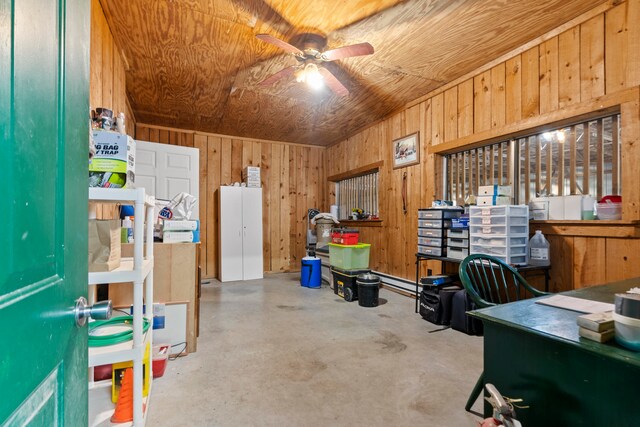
point(499, 230)
point(453, 242)
point(431, 241)
point(458, 253)
point(458, 233)
point(430, 232)
point(498, 220)
point(510, 210)
point(439, 213)
point(499, 250)
point(432, 250)
point(499, 240)
point(434, 223)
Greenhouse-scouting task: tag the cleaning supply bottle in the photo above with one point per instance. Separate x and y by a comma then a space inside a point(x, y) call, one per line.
point(538, 250)
point(126, 233)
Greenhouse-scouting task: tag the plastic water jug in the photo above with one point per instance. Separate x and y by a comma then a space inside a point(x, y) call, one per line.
point(538, 250)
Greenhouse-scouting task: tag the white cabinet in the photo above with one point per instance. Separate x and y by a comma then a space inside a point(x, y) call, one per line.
point(139, 271)
point(240, 222)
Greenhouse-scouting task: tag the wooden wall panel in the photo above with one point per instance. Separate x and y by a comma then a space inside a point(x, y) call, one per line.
point(498, 99)
point(451, 114)
point(566, 68)
point(291, 182)
point(465, 108)
point(616, 48)
point(592, 58)
point(530, 83)
point(513, 87)
point(589, 255)
point(482, 102)
point(569, 67)
point(549, 76)
point(623, 259)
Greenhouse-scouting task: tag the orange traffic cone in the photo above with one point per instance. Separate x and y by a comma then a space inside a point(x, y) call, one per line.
point(124, 407)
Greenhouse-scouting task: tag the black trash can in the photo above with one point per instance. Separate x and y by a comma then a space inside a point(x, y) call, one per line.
point(368, 288)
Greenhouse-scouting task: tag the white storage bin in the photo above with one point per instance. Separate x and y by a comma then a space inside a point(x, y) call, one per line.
point(499, 240)
point(511, 210)
point(499, 250)
point(499, 220)
point(500, 230)
point(430, 232)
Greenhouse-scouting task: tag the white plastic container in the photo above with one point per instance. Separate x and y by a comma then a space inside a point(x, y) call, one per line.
point(627, 331)
point(609, 210)
point(538, 250)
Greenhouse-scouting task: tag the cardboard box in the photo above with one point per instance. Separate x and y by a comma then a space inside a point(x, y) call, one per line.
point(177, 237)
point(181, 224)
point(113, 165)
point(556, 208)
point(493, 200)
point(494, 190)
point(539, 208)
point(573, 207)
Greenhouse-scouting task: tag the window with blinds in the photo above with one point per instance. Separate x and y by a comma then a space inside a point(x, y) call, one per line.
point(584, 158)
point(360, 192)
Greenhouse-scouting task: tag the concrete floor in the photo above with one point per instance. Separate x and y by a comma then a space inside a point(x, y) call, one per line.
point(272, 353)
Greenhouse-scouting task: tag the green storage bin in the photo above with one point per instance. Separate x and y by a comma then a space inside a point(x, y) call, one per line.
point(349, 257)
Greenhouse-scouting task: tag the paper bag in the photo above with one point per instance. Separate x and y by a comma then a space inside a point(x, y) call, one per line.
point(104, 245)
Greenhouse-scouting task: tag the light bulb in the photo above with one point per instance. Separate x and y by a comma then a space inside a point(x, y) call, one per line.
point(311, 76)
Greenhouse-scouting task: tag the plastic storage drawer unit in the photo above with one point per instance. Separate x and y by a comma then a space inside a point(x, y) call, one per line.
point(437, 213)
point(432, 250)
point(430, 232)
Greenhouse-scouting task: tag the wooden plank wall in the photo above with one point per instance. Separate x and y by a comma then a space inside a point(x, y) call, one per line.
point(575, 65)
point(107, 82)
point(107, 69)
point(292, 180)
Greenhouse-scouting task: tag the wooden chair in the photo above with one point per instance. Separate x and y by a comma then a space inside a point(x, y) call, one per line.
point(488, 282)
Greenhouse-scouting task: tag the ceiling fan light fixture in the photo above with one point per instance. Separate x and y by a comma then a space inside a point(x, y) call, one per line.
point(311, 76)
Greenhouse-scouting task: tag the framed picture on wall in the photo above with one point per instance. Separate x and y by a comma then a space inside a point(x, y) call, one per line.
point(406, 151)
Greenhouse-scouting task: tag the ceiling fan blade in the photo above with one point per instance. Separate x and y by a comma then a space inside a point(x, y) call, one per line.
point(347, 52)
point(333, 83)
point(281, 44)
point(285, 72)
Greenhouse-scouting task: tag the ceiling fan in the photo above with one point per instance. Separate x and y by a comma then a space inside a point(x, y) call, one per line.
point(310, 68)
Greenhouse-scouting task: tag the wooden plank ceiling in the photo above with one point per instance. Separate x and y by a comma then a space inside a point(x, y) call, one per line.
point(196, 64)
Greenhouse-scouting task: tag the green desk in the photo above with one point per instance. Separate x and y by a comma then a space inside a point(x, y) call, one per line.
point(533, 351)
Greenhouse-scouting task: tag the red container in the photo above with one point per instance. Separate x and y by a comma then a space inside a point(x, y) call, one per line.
point(159, 364)
point(345, 236)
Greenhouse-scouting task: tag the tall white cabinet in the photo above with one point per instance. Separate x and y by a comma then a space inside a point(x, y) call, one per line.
point(240, 220)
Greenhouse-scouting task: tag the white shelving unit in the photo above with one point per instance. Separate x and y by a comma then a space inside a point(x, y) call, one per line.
point(139, 271)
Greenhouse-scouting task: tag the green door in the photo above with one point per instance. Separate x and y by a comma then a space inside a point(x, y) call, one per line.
point(44, 123)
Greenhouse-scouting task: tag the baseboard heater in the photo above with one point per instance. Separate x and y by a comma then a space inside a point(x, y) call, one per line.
point(396, 282)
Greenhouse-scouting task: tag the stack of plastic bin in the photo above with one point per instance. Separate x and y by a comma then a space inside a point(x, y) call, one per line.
point(347, 262)
point(432, 226)
point(500, 231)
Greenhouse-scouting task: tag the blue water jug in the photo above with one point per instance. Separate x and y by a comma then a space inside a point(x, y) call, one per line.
point(310, 274)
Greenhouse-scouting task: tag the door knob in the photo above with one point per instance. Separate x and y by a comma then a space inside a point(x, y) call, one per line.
point(99, 311)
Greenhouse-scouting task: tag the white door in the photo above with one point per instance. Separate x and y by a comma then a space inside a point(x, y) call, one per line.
point(230, 234)
point(252, 233)
point(166, 170)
